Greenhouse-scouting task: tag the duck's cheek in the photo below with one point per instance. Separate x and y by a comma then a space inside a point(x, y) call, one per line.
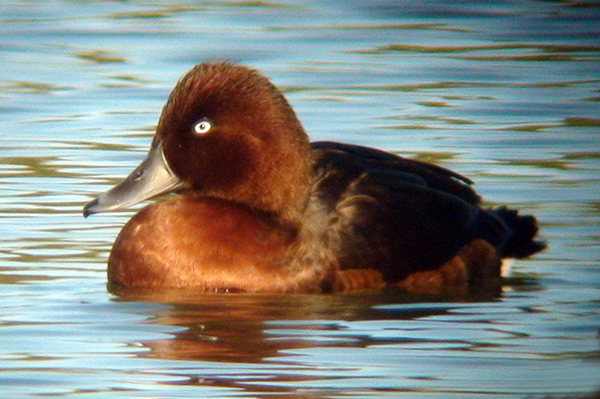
point(182, 153)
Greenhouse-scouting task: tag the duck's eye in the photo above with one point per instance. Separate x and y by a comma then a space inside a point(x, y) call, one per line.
point(202, 126)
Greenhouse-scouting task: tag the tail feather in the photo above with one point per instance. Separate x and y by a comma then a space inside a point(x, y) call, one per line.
point(521, 242)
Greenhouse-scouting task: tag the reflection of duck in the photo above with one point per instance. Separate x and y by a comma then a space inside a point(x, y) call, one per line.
point(252, 328)
point(262, 210)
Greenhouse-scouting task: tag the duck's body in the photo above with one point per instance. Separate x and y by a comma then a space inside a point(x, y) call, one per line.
point(219, 246)
point(262, 210)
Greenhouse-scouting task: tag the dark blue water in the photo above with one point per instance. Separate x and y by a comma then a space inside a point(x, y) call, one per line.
point(506, 93)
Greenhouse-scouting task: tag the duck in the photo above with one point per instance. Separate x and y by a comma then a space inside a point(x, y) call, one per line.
point(255, 207)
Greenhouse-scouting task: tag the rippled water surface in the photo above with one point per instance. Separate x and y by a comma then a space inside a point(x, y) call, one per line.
point(504, 92)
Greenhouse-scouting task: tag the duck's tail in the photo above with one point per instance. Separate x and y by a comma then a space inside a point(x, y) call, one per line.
point(522, 242)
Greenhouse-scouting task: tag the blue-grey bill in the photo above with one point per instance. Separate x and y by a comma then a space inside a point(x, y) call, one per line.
point(151, 178)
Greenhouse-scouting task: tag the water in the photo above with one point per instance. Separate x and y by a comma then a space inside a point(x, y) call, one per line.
point(506, 93)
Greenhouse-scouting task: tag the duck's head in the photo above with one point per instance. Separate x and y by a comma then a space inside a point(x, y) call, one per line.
point(225, 132)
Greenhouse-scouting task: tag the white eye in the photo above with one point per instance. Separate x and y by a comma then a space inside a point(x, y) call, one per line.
point(202, 126)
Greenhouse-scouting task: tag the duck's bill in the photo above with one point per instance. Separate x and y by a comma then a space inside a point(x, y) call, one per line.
point(152, 178)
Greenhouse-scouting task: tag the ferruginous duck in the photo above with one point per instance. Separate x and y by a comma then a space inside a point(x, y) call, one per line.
point(261, 209)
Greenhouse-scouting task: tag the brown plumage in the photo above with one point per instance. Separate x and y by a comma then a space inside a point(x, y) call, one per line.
point(262, 210)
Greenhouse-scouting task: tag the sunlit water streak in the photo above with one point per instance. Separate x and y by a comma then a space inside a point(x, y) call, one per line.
point(505, 93)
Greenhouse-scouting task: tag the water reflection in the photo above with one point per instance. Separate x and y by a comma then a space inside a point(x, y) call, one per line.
point(313, 344)
point(236, 328)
